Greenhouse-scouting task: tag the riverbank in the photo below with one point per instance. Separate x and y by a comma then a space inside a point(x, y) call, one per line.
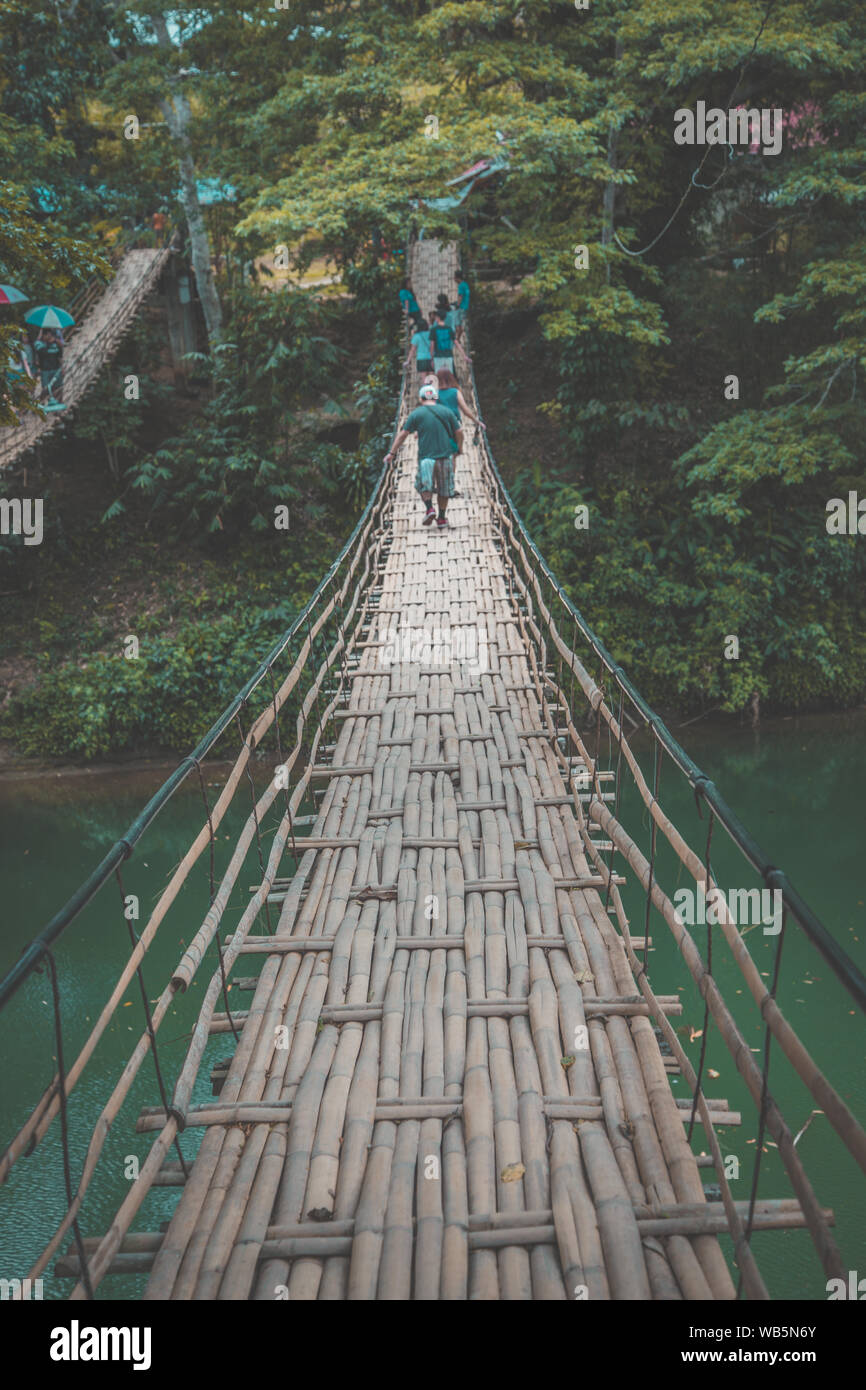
point(710, 727)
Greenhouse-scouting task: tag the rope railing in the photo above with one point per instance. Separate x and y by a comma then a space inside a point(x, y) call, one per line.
point(539, 596)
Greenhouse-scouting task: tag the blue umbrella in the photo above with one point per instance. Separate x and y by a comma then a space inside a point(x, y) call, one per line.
point(49, 316)
point(9, 295)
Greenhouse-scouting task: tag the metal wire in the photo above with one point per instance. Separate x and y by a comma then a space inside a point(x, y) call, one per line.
point(48, 957)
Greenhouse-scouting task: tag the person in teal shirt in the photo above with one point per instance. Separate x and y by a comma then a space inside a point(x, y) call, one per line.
point(410, 304)
point(438, 432)
point(452, 397)
point(420, 351)
point(456, 316)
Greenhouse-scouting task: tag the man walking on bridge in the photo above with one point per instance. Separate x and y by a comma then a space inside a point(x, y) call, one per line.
point(438, 431)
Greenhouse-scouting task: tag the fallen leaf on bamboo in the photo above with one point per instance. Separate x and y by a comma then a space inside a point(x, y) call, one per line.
point(567, 1061)
point(584, 977)
point(513, 1172)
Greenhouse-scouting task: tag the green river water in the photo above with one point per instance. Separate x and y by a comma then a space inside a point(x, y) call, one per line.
point(797, 785)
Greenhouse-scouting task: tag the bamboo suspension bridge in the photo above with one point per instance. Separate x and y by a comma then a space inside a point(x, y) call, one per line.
point(453, 1077)
point(106, 315)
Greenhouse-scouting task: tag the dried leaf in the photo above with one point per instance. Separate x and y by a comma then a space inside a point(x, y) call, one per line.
point(567, 1061)
point(584, 977)
point(513, 1172)
point(714, 1074)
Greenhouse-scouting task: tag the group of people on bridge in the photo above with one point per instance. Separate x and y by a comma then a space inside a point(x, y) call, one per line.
point(437, 420)
point(43, 356)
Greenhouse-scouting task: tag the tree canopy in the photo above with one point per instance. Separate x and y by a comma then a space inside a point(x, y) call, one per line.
point(702, 363)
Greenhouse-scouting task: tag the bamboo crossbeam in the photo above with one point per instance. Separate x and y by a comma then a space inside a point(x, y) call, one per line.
point(274, 945)
point(328, 1244)
point(501, 1229)
point(478, 885)
point(475, 1008)
point(264, 1113)
point(326, 770)
point(491, 805)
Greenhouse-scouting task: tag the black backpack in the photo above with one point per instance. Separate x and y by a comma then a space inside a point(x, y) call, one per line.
point(440, 337)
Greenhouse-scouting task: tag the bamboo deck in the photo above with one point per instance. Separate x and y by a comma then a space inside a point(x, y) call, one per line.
point(467, 1098)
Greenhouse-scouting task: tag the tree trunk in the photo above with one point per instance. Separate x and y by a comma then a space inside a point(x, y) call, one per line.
point(178, 115)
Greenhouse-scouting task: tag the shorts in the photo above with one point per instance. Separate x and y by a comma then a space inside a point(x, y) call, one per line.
point(443, 363)
point(435, 475)
point(424, 364)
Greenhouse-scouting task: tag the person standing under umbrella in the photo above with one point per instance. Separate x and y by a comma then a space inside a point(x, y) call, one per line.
point(48, 349)
point(49, 357)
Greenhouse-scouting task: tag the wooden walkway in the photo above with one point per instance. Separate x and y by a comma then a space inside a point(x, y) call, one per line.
point(91, 345)
point(446, 1085)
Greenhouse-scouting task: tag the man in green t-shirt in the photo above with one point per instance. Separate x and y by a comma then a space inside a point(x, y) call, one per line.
point(438, 430)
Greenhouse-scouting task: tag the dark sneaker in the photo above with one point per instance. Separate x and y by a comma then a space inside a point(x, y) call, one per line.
point(442, 521)
point(431, 516)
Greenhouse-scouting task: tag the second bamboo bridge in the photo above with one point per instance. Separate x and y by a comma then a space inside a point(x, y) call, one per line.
point(108, 312)
point(453, 1077)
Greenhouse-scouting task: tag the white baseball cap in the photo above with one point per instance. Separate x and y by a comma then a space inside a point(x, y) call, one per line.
point(429, 392)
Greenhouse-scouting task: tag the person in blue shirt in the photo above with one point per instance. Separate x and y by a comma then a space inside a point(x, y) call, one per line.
point(456, 315)
point(410, 305)
point(453, 399)
point(419, 351)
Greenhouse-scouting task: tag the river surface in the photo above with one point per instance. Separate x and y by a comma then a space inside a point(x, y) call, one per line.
point(799, 787)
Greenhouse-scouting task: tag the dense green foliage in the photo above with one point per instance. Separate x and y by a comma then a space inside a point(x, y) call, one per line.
point(707, 506)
